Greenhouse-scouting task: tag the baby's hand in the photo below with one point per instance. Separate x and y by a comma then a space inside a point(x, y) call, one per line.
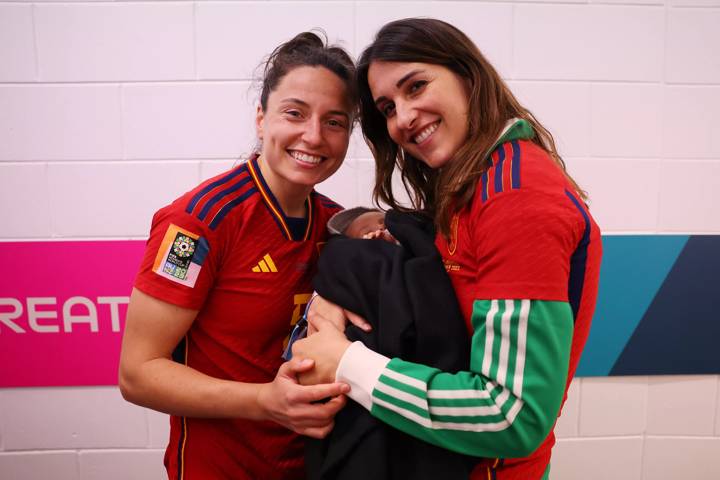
point(373, 235)
point(380, 235)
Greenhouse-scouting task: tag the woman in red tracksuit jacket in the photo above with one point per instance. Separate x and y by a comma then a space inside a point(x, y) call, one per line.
point(518, 241)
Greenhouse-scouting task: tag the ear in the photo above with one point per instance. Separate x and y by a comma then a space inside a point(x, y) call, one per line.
point(259, 117)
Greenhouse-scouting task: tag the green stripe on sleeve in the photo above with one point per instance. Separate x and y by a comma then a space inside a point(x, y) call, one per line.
point(508, 400)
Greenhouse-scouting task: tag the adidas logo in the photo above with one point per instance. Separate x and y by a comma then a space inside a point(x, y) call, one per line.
point(265, 265)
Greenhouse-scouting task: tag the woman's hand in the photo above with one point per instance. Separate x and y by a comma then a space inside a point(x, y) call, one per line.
point(326, 347)
point(294, 406)
point(324, 310)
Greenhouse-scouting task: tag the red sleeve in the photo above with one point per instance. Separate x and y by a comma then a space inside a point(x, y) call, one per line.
point(180, 261)
point(525, 239)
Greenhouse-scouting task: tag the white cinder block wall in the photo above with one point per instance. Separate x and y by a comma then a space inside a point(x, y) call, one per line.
point(135, 102)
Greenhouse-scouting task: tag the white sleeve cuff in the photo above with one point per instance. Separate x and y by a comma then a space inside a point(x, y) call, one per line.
point(361, 368)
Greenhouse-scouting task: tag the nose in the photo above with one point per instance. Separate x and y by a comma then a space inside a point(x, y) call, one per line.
point(312, 135)
point(406, 115)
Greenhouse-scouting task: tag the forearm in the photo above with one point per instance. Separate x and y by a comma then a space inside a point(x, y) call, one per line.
point(149, 377)
point(167, 386)
point(503, 406)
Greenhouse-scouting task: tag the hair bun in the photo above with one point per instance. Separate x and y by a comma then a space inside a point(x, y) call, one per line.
point(309, 48)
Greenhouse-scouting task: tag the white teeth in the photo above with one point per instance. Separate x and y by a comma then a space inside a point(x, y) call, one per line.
point(304, 157)
point(422, 136)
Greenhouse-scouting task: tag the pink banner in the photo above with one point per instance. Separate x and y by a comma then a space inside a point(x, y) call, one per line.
point(62, 310)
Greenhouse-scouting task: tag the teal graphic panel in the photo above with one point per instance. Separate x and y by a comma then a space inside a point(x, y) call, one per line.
point(657, 310)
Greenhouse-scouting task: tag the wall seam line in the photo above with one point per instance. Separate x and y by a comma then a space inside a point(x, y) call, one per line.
point(36, 49)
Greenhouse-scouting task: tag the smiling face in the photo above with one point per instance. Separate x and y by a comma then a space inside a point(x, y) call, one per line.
point(425, 107)
point(304, 130)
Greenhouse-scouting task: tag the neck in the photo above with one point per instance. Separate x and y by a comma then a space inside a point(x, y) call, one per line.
point(293, 206)
point(290, 196)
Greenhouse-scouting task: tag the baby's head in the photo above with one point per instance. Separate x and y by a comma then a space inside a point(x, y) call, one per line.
point(366, 224)
point(360, 222)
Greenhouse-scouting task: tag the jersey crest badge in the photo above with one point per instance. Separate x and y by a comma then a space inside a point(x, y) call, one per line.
point(452, 241)
point(265, 265)
point(180, 256)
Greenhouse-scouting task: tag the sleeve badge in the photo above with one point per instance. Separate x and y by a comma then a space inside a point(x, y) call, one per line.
point(180, 256)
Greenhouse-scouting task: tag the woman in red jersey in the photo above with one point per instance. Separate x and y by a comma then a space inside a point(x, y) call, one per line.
point(226, 273)
point(519, 244)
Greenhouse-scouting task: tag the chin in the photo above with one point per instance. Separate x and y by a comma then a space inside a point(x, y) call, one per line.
point(435, 162)
point(309, 180)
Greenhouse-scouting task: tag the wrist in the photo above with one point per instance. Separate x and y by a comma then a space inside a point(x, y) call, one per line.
point(340, 353)
point(253, 401)
point(361, 368)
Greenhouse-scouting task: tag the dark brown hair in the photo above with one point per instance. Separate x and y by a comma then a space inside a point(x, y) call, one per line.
point(442, 192)
point(311, 50)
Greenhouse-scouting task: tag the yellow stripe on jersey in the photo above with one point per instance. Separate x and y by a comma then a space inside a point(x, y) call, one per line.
point(265, 265)
point(267, 199)
point(277, 213)
point(309, 221)
point(270, 262)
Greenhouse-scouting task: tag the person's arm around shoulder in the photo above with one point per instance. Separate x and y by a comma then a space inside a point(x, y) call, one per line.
point(150, 378)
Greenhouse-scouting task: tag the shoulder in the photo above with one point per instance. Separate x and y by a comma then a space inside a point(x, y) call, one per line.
point(524, 186)
point(520, 165)
point(521, 171)
point(325, 201)
point(325, 206)
point(216, 201)
point(212, 210)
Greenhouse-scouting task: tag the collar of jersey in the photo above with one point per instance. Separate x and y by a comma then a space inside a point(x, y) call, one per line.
point(273, 205)
point(515, 129)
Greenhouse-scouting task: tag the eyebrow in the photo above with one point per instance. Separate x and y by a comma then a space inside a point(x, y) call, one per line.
point(303, 103)
point(399, 83)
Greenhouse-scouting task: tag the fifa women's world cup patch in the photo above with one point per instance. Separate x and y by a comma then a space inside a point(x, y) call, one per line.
point(180, 256)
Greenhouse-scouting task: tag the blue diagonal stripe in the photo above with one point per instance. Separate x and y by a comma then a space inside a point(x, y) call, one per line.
point(227, 208)
point(483, 186)
point(515, 176)
point(499, 171)
point(633, 269)
point(578, 260)
point(226, 178)
point(220, 195)
point(678, 335)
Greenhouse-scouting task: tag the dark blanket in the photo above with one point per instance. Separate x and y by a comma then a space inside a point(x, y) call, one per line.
point(405, 293)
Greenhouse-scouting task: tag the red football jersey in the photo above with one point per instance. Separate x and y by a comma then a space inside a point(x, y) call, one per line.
point(525, 235)
point(227, 250)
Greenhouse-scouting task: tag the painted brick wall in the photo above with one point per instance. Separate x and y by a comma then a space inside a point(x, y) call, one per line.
point(110, 109)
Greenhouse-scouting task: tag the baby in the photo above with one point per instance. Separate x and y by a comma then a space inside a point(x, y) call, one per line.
point(361, 222)
point(404, 292)
point(357, 222)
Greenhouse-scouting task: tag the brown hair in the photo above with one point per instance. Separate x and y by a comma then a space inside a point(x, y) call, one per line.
point(440, 193)
point(311, 50)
